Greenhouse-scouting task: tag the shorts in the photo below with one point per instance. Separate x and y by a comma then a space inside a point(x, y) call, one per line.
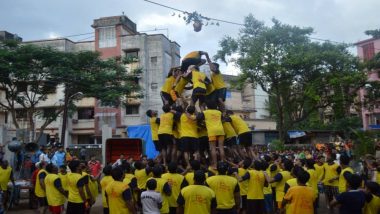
point(157, 145)
point(75, 208)
point(42, 201)
point(56, 209)
point(258, 205)
point(245, 139)
point(244, 202)
point(203, 144)
point(106, 210)
point(331, 192)
point(213, 97)
point(189, 144)
point(189, 61)
point(268, 200)
point(198, 94)
point(165, 140)
point(221, 94)
point(172, 210)
point(166, 96)
point(232, 141)
point(226, 211)
point(215, 138)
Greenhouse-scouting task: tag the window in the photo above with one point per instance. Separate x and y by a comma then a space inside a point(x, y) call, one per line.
point(85, 113)
point(6, 117)
point(153, 60)
point(22, 86)
point(132, 109)
point(48, 112)
point(21, 114)
point(107, 37)
point(85, 139)
point(368, 51)
point(132, 54)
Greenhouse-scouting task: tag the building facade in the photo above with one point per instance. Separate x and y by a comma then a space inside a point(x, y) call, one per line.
point(366, 50)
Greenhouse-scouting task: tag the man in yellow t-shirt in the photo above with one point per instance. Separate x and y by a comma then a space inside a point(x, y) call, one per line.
point(197, 198)
point(107, 179)
point(199, 81)
point(281, 178)
point(220, 86)
point(154, 123)
point(118, 194)
point(256, 184)
point(300, 198)
point(215, 131)
point(244, 133)
point(345, 173)
point(330, 179)
point(231, 137)
point(226, 189)
point(189, 134)
point(77, 202)
point(176, 182)
point(40, 190)
point(165, 132)
point(167, 87)
point(243, 185)
point(6, 175)
point(55, 194)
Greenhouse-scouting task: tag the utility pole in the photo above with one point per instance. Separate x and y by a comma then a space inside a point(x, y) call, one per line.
point(66, 101)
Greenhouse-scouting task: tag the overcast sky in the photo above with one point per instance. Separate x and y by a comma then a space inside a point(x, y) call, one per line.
point(337, 20)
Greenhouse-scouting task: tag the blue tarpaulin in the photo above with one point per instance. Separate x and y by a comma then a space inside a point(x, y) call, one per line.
point(143, 131)
point(296, 134)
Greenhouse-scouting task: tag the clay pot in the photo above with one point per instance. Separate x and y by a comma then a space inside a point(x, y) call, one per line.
point(197, 25)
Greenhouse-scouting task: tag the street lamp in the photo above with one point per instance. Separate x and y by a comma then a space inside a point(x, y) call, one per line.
point(65, 112)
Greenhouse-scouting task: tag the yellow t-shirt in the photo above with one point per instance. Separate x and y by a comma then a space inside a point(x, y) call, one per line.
point(256, 185)
point(197, 199)
point(190, 177)
point(192, 55)
point(239, 124)
point(267, 189)
point(166, 123)
point(189, 126)
point(63, 178)
point(342, 184)
point(229, 130)
point(116, 201)
point(168, 84)
point(319, 169)
point(93, 186)
point(165, 199)
point(174, 180)
point(217, 80)
point(180, 86)
point(224, 187)
point(301, 200)
point(330, 172)
point(5, 177)
point(243, 184)
point(53, 196)
point(196, 76)
point(214, 124)
point(154, 128)
point(104, 183)
point(141, 177)
point(373, 207)
point(281, 185)
point(74, 195)
point(292, 183)
point(313, 180)
point(38, 189)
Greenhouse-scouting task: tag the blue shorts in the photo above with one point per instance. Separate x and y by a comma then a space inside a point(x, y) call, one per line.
point(268, 199)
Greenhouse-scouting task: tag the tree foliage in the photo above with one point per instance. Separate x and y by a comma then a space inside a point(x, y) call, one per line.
point(29, 74)
point(374, 33)
point(301, 77)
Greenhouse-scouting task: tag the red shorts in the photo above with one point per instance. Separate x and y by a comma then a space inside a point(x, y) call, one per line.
point(56, 209)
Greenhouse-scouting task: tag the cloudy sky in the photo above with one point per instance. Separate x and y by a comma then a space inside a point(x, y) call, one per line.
point(337, 20)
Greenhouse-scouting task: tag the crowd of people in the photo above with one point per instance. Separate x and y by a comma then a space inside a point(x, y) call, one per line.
point(207, 163)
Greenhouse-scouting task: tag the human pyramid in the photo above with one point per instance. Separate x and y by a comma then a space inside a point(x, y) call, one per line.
point(182, 132)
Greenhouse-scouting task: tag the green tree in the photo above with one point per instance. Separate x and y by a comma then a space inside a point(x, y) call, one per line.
point(30, 73)
point(301, 77)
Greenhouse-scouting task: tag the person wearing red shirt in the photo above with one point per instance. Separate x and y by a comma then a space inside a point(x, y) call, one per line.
point(95, 167)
